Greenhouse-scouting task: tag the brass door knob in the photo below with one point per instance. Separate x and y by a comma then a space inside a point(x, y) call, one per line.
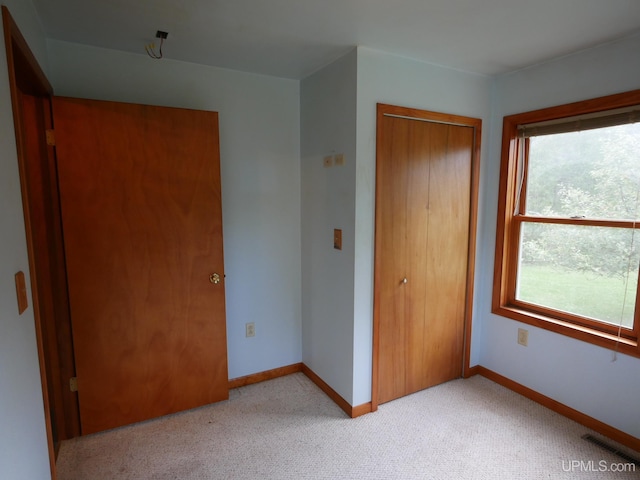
point(214, 278)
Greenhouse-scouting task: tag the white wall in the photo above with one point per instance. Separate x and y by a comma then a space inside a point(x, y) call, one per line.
point(328, 126)
point(23, 442)
point(384, 78)
point(572, 372)
point(260, 168)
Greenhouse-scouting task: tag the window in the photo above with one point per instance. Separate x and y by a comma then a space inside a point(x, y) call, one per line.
point(568, 236)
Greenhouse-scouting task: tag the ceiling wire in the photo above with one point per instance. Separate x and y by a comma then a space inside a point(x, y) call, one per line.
point(150, 49)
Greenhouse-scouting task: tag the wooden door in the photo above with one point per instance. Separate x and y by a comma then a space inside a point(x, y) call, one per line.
point(423, 217)
point(141, 214)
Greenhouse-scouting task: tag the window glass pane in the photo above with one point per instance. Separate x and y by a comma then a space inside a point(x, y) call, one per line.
point(580, 270)
point(592, 174)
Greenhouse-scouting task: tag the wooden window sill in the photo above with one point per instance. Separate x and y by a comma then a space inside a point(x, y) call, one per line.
point(579, 332)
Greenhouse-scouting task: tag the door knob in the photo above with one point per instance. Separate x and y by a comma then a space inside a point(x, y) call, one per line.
point(214, 278)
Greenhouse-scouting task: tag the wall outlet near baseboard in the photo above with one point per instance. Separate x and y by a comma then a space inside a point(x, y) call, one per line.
point(250, 329)
point(523, 337)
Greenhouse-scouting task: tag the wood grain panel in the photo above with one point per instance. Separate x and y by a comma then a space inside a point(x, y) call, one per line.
point(423, 142)
point(424, 205)
point(392, 181)
point(447, 252)
point(140, 195)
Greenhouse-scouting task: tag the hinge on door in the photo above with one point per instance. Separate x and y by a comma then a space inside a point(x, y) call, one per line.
point(73, 384)
point(51, 137)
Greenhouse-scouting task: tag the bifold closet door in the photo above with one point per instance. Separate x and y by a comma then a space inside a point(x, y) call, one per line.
point(422, 242)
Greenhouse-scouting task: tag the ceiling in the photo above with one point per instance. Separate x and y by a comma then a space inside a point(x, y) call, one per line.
point(293, 38)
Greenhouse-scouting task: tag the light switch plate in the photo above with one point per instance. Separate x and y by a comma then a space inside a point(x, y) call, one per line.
point(337, 239)
point(328, 161)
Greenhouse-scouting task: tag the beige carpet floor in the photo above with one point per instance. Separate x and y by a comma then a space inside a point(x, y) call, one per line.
point(288, 429)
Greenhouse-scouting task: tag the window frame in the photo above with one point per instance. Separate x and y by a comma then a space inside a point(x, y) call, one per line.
point(509, 226)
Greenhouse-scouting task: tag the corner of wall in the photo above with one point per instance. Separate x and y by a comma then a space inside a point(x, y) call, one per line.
point(328, 123)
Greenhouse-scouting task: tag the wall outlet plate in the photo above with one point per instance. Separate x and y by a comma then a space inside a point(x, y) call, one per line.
point(250, 329)
point(523, 337)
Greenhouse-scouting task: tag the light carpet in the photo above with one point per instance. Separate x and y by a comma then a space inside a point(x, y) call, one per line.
point(287, 428)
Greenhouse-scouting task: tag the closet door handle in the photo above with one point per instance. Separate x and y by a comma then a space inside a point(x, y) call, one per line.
point(214, 278)
point(404, 280)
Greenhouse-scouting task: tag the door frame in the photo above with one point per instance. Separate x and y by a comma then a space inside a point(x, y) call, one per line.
point(449, 119)
point(26, 77)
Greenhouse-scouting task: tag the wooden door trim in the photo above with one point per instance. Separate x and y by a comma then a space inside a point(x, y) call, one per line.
point(26, 75)
point(437, 117)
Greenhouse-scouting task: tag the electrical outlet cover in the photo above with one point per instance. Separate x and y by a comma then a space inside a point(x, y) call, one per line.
point(523, 337)
point(250, 329)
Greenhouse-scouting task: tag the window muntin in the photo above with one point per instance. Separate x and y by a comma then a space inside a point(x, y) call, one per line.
point(568, 247)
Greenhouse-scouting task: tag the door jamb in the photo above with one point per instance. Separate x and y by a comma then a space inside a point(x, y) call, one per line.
point(26, 76)
point(424, 115)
